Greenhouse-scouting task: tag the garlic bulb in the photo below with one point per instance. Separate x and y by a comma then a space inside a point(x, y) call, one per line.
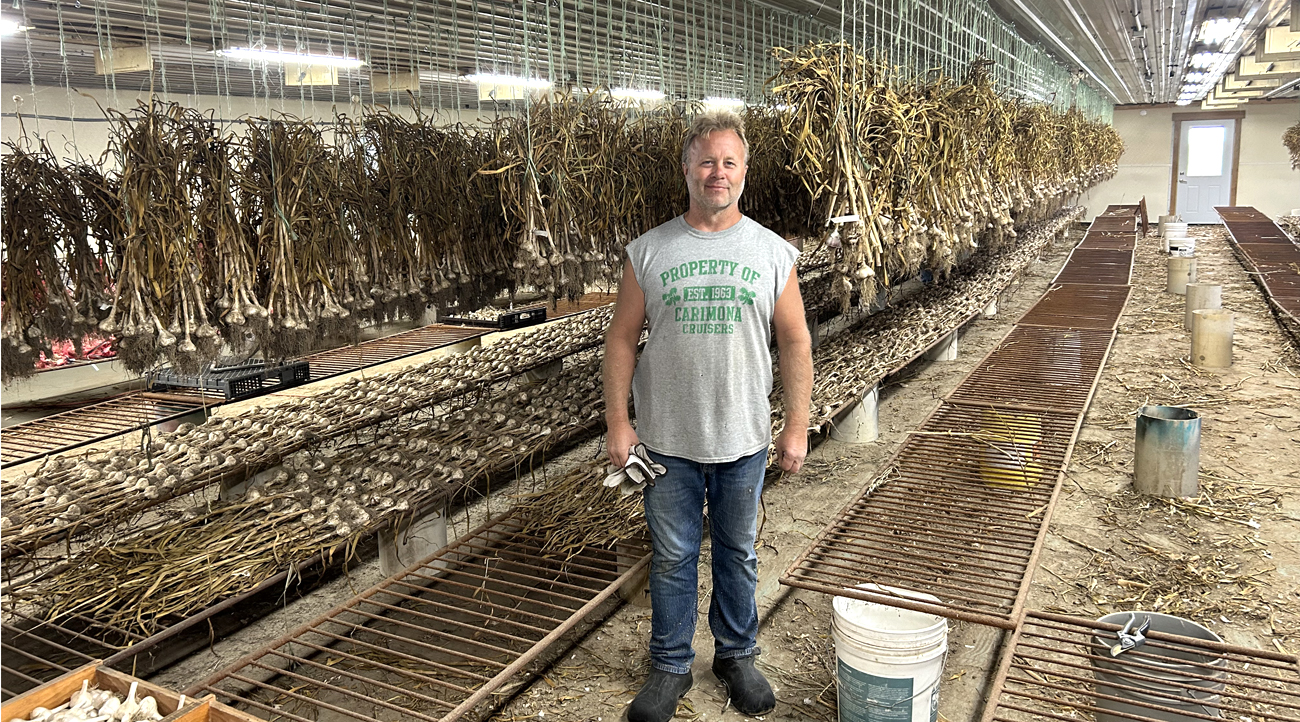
point(82, 699)
point(148, 709)
point(126, 712)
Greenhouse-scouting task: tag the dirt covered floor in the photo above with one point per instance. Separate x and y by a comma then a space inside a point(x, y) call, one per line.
point(1229, 559)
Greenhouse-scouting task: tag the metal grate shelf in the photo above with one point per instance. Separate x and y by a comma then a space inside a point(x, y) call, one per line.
point(1038, 367)
point(38, 650)
point(1271, 258)
point(958, 514)
point(69, 430)
point(1051, 673)
point(1114, 224)
point(961, 510)
point(54, 434)
point(335, 362)
point(1112, 241)
point(1097, 266)
point(1078, 305)
point(1258, 231)
point(434, 642)
point(1276, 266)
point(1240, 213)
point(587, 302)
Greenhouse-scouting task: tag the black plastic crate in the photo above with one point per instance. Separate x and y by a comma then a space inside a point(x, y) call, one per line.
point(293, 373)
point(236, 382)
point(517, 318)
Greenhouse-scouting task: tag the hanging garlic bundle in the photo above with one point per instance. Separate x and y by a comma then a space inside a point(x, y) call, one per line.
point(1291, 139)
point(53, 283)
point(910, 174)
point(162, 296)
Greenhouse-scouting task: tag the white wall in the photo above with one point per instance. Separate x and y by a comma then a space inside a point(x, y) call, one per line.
point(1264, 176)
point(87, 135)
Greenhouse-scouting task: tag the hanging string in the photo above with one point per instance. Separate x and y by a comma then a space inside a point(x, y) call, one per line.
point(220, 69)
point(564, 43)
point(104, 40)
point(478, 52)
point(453, 51)
point(609, 42)
point(354, 93)
point(189, 47)
point(151, 9)
point(550, 48)
point(369, 55)
point(31, 74)
point(627, 68)
point(305, 71)
point(67, 78)
point(281, 67)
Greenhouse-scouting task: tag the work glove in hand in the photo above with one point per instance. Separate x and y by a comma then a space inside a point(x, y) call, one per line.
point(636, 473)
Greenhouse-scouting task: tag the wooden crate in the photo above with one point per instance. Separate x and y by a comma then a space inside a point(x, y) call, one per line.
point(209, 709)
point(57, 692)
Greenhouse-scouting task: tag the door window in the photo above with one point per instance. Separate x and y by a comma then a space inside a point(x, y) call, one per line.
point(1205, 150)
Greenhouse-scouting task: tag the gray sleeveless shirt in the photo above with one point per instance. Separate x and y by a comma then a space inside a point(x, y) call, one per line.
point(702, 384)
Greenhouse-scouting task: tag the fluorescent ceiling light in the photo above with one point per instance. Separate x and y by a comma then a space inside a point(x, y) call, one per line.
point(508, 80)
point(1206, 60)
point(1218, 30)
point(11, 27)
point(1195, 78)
point(637, 94)
point(1183, 101)
point(280, 56)
point(718, 102)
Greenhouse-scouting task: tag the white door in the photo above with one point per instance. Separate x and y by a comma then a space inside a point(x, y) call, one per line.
point(1205, 167)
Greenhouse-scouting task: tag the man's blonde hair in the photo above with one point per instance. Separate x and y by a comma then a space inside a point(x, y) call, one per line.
point(706, 123)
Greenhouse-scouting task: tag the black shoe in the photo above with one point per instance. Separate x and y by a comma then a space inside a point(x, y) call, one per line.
point(657, 700)
point(746, 686)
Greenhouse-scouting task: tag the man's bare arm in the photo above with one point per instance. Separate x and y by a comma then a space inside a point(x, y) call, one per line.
point(621, 341)
point(795, 346)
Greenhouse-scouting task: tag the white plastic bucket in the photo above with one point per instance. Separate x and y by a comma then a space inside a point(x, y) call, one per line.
point(888, 660)
point(1181, 246)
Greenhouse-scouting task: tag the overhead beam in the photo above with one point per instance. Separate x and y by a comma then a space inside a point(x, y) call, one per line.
point(122, 59)
point(1232, 82)
point(1279, 43)
point(1250, 67)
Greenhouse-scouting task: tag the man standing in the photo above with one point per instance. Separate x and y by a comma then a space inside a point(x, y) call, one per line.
point(712, 284)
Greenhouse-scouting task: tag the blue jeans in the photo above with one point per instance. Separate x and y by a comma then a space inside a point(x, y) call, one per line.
point(674, 509)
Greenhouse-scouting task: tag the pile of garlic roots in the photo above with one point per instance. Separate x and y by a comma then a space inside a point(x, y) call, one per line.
point(100, 705)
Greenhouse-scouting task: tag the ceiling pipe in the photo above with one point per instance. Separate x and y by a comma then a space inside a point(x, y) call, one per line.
point(1090, 32)
point(1289, 85)
point(1047, 31)
point(1141, 34)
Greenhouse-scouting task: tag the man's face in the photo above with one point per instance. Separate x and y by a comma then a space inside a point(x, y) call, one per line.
point(715, 171)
